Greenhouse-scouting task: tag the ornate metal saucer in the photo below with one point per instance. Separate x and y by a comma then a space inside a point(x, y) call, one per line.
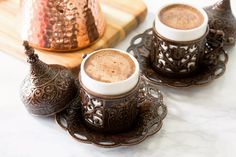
point(212, 66)
point(149, 121)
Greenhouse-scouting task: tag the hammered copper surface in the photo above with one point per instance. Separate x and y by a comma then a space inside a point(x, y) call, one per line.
point(222, 18)
point(211, 67)
point(151, 112)
point(174, 58)
point(62, 25)
point(48, 88)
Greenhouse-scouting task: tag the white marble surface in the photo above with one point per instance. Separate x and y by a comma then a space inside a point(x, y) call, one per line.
point(201, 121)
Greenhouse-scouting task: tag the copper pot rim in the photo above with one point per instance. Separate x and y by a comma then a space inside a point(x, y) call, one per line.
point(180, 42)
point(109, 97)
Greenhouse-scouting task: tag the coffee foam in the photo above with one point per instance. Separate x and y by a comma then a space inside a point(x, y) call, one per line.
point(181, 16)
point(109, 66)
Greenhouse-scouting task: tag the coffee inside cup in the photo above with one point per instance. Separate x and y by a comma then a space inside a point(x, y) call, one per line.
point(181, 16)
point(109, 66)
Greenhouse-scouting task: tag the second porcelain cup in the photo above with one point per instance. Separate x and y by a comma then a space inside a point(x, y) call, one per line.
point(177, 52)
point(109, 107)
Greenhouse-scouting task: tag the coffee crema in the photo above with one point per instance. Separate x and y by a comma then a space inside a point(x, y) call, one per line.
point(181, 16)
point(109, 66)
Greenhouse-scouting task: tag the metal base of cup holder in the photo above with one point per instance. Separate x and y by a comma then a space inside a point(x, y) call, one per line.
point(151, 112)
point(212, 63)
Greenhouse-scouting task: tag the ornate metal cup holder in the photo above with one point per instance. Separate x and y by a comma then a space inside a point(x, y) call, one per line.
point(151, 112)
point(212, 66)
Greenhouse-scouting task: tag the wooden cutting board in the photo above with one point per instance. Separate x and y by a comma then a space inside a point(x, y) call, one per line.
point(122, 16)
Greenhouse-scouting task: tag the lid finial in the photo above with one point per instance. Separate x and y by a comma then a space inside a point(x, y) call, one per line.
point(29, 51)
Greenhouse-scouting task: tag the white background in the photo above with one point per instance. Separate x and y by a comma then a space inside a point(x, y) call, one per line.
point(201, 121)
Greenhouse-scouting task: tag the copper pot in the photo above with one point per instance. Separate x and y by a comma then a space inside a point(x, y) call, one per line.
point(62, 25)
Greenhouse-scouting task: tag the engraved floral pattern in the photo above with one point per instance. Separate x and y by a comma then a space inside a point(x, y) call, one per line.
point(109, 114)
point(151, 112)
point(47, 96)
point(175, 58)
point(47, 89)
point(212, 65)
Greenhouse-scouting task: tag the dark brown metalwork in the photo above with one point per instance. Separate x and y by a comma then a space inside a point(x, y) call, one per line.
point(211, 67)
point(109, 113)
point(174, 58)
point(221, 18)
point(48, 88)
point(62, 25)
point(151, 112)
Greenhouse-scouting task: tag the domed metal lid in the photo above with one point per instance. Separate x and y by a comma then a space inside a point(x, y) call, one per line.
point(48, 88)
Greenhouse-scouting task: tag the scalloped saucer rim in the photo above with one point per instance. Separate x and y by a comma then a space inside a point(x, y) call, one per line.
point(142, 47)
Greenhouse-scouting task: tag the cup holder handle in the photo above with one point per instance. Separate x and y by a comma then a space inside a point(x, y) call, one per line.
point(214, 49)
point(150, 94)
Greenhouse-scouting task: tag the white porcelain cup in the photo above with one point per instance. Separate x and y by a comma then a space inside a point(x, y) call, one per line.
point(110, 89)
point(179, 34)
